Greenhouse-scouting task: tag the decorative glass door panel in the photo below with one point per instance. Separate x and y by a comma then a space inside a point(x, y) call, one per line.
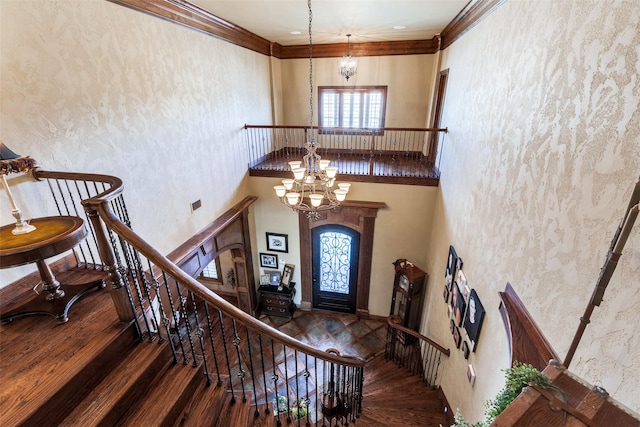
point(335, 267)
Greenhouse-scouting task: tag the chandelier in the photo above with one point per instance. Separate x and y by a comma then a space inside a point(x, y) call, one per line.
point(312, 188)
point(348, 65)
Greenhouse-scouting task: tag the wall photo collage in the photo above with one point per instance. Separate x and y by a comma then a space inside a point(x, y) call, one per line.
point(466, 312)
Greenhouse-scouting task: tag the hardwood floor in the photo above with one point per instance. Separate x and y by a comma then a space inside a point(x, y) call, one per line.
point(92, 371)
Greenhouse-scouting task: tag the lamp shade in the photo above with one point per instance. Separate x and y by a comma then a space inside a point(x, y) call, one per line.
point(6, 153)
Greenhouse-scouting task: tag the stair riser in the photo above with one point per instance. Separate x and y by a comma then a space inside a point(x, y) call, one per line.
point(53, 411)
point(135, 392)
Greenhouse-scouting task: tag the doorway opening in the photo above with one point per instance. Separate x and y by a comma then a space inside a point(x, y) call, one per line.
point(335, 252)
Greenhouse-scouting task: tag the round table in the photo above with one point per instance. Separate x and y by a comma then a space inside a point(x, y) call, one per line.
point(53, 235)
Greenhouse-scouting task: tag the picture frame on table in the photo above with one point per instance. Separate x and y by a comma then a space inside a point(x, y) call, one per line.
point(268, 260)
point(264, 279)
point(274, 278)
point(277, 242)
point(287, 273)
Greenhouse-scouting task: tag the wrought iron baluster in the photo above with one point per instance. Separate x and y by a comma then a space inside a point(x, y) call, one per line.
point(295, 359)
point(187, 322)
point(274, 378)
point(213, 347)
point(286, 376)
point(306, 375)
point(241, 371)
point(264, 376)
point(91, 230)
point(226, 356)
point(200, 335)
point(176, 321)
point(132, 274)
point(253, 374)
point(161, 313)
point(145, 287)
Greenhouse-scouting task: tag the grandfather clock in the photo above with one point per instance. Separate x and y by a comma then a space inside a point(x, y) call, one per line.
point(406, 302)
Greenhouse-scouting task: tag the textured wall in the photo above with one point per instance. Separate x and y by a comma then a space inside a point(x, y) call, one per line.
point(92, 86)
point(538, 167)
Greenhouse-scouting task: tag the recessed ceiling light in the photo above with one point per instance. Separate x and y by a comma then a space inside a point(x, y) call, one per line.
point(295, 33)
point(399, 27)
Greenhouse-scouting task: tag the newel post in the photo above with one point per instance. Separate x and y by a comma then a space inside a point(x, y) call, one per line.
point(114, 279)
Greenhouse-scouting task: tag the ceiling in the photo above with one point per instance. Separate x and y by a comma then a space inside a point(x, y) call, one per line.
point(366, 20)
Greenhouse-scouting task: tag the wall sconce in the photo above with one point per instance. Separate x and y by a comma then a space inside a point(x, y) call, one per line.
point(11, 162)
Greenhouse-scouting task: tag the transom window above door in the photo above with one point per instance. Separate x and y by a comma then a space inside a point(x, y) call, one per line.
point(352, 108)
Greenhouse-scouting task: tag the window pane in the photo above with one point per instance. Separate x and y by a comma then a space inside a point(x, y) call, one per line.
point(330, 104)
point(210, 271)
point(353, 107)
point(351, 110)
point(372, 109)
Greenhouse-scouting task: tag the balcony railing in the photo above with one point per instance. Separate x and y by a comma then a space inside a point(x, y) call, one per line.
point(393, 155)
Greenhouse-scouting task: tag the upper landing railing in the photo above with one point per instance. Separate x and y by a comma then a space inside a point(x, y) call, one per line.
point(401, 155)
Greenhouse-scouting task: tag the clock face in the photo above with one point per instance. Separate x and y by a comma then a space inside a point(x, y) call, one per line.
point(404, 282)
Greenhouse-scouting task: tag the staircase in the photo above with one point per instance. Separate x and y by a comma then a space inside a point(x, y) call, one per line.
point(157, 348)
point(92, 371)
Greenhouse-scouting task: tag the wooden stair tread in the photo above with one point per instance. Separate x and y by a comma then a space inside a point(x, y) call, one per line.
point(204, 406)
point(165, 396)
point(47, 367)
point(233, 412)
point(108, 401)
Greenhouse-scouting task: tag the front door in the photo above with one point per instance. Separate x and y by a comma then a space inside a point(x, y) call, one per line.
point(335, 250)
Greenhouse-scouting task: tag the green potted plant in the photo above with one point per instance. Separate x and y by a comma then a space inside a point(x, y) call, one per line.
point(517, 377)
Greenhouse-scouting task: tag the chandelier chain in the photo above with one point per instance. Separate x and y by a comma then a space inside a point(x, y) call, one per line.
point(310, 72)
point(310, 190)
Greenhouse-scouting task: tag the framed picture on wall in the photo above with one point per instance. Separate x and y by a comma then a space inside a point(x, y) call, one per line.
point(465, 349)
point(277, 242)
point(456, 336)
point(450, 271)
point(458, 304)
point(473, 318)
point(268, 260)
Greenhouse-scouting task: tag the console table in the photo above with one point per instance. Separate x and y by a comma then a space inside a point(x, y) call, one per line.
point(52, 236)
point(277, 303)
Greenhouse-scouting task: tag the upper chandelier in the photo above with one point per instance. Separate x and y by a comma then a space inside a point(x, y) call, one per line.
point(348, 65)
point(312, 188)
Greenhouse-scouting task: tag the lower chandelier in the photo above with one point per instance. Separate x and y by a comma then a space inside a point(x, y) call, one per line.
point(311, 189)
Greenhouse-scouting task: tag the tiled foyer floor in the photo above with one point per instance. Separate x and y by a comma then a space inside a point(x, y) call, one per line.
point(346, 333)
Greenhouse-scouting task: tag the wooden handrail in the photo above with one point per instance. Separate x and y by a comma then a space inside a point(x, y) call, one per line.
point(209, 296)
point(115, 183)
point(349, 130)
point(100, 204)
point(394, 322)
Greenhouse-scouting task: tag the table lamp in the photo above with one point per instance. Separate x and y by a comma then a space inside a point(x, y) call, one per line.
point(11, 162)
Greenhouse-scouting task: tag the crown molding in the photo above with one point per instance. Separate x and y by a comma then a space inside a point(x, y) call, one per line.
point(474, 12)
point(187, 14)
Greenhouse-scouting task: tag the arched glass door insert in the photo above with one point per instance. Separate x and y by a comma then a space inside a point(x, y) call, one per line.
point(335, 250)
